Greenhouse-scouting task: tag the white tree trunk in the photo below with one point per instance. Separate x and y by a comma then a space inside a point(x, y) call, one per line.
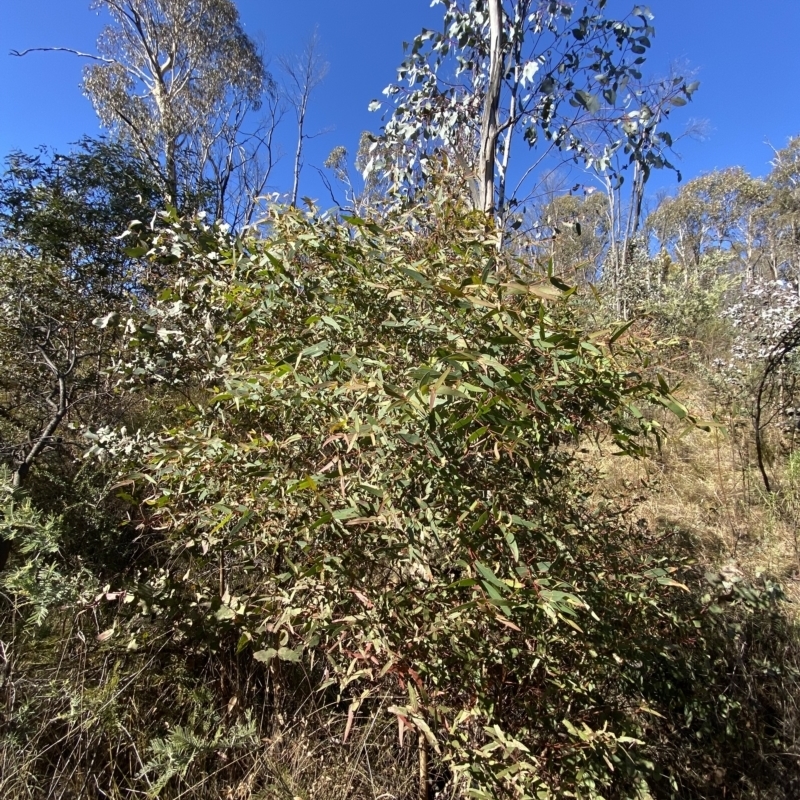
point(491, 105)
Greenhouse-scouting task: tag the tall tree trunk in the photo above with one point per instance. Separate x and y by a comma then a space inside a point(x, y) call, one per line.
point(298, 155)
point(171, 169)
point(491, 105)
point(505, 158)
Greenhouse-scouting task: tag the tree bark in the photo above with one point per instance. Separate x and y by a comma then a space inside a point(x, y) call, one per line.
point(171, 170)
point(298, 155)
point(491, 106)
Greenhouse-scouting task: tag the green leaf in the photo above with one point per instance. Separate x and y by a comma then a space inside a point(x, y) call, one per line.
point(545, 291)
point(476, 526)
point(489, 576)
point(620, 331)
point(265, 656)
point(287, 654)
point(428, 733)
point(674, 406)
point(416, 276)
point(589, 101)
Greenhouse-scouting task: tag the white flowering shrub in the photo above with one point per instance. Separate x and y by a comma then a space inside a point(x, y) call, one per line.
point(763, 368)
point(765, 312)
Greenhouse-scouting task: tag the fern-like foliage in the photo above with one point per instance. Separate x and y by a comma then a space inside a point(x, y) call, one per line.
point(38, 582)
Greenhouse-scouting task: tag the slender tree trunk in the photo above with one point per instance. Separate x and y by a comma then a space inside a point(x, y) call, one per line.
point(491, 105)
point(305, 74)
point(171, 169)
point(298, 155)
point(509, 135)
point(161, 95)
point(422, 744)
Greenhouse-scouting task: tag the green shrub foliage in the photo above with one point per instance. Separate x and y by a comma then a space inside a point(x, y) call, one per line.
point(372, 483)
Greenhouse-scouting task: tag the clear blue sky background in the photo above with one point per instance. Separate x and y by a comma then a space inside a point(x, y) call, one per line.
point(746, 54)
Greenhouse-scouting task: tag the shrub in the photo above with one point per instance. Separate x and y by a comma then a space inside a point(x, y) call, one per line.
point(369, 496)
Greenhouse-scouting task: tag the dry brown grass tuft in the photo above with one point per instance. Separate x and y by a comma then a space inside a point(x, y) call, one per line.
point(706, 486)
point(84, 732)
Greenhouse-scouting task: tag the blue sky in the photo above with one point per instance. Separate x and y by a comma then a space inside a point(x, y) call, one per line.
point(746, 55)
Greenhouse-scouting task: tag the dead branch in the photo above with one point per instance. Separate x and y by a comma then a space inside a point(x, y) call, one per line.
point(78, 53)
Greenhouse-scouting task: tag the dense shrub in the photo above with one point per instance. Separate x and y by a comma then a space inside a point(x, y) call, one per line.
point(363, 497)
point(375, 480)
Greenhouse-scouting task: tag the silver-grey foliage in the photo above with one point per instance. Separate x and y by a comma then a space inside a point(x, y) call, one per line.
point(560, 77)
point(179, 79)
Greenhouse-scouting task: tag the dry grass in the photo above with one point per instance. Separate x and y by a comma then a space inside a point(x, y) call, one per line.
point(706, 486)
point(84, 732)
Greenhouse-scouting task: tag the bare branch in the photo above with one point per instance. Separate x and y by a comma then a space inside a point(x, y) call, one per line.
point(79, 53)
point(329, 187)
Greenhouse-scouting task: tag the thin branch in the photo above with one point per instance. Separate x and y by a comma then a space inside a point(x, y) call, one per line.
point(78, 53)
point(321, 132)
point(328, 186)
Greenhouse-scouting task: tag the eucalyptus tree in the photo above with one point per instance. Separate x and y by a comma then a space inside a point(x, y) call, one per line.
point(367, 192)
point(563, 79)
point(784, 240)
point(73, 208)
point(304, 73)
point(179, 79)
point(723, 211)
point(571, 230)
